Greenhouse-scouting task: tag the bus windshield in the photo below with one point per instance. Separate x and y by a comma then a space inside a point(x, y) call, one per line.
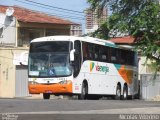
point(50, 59)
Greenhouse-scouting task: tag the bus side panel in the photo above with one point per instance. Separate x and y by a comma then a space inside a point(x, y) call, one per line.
point(77, 82)
point(102, 78)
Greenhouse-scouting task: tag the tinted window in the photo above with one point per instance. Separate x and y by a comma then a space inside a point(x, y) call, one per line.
point(108, 54)
point(62, 46)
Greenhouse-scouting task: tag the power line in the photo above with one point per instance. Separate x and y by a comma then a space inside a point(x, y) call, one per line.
point(42, 6)
point(54, 6)
point(60, 15)
point(63, 16)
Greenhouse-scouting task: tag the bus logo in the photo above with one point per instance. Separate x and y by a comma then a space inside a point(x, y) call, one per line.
point(99, 68)
point(91, 66)
point(104, 69)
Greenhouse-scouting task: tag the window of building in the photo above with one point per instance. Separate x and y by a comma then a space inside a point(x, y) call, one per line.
point(25, 35)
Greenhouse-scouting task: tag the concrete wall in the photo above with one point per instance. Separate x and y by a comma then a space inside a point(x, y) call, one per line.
point(7, 71)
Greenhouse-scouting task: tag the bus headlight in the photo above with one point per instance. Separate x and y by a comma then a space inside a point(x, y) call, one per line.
point(65, 82)
point(32, 82)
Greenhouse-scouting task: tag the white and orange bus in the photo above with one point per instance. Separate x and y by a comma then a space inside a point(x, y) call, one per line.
point(81, 66)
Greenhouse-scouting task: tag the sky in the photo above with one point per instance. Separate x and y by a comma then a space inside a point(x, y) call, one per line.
point(72, 10)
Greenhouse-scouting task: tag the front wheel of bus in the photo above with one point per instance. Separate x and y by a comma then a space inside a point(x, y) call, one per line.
point(84, 92)
point(46, 95)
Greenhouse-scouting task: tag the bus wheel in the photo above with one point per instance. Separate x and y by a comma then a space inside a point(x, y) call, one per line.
point(46, 95)
point(118, 93)
point(84, 92)
point(125, 92)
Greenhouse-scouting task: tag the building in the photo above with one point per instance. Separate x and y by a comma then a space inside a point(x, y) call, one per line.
point(18, 26)
point(92, 21)
point(76, 30)
point(32, 24)
point(126, 40)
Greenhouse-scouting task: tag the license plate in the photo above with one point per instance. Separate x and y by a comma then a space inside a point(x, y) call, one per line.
point(49, 91)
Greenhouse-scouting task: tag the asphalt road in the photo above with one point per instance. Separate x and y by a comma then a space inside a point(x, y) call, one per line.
point(39, 109)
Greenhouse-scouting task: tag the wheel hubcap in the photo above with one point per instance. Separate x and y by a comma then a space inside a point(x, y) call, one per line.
point(118, 92)
point(83, 91)
point(125, 94)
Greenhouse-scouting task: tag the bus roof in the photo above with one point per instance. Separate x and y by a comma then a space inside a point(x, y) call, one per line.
point(85, 39)
point(73, 38)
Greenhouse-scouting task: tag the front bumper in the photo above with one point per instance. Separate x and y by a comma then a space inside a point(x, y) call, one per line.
point(50, 88)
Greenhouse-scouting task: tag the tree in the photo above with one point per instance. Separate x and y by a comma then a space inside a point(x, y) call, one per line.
point(139, 18)
point(102, 32)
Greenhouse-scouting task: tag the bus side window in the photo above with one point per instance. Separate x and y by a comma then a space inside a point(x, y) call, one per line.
point(104, 54)
point(108, 54)
point(104, 58)
point(130, 57)
point(113, 55)
point(120, 59)
point(124, 56)
point(91, 52)
point(96, 52)
point(85, 51)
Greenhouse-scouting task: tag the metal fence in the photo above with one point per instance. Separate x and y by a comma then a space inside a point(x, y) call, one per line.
point(149, 86)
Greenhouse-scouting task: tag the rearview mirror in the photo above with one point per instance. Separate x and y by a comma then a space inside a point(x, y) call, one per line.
point(72, 55)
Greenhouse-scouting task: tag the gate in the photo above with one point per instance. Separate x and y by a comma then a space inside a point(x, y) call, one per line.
point(21, 83)
point(150, 87)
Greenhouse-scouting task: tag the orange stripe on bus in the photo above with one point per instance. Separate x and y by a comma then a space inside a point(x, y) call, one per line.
point(126, 74)
point(52, 88)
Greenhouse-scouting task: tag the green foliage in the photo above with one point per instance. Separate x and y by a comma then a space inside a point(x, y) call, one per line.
point(102, 32)
point(139, 18)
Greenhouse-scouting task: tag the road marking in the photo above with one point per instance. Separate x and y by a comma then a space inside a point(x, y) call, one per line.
point(148, 110)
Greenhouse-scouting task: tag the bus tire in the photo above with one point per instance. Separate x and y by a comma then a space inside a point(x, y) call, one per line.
point(118, 93)
point(46, 95)
point(84, 92)
point(125, 92)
